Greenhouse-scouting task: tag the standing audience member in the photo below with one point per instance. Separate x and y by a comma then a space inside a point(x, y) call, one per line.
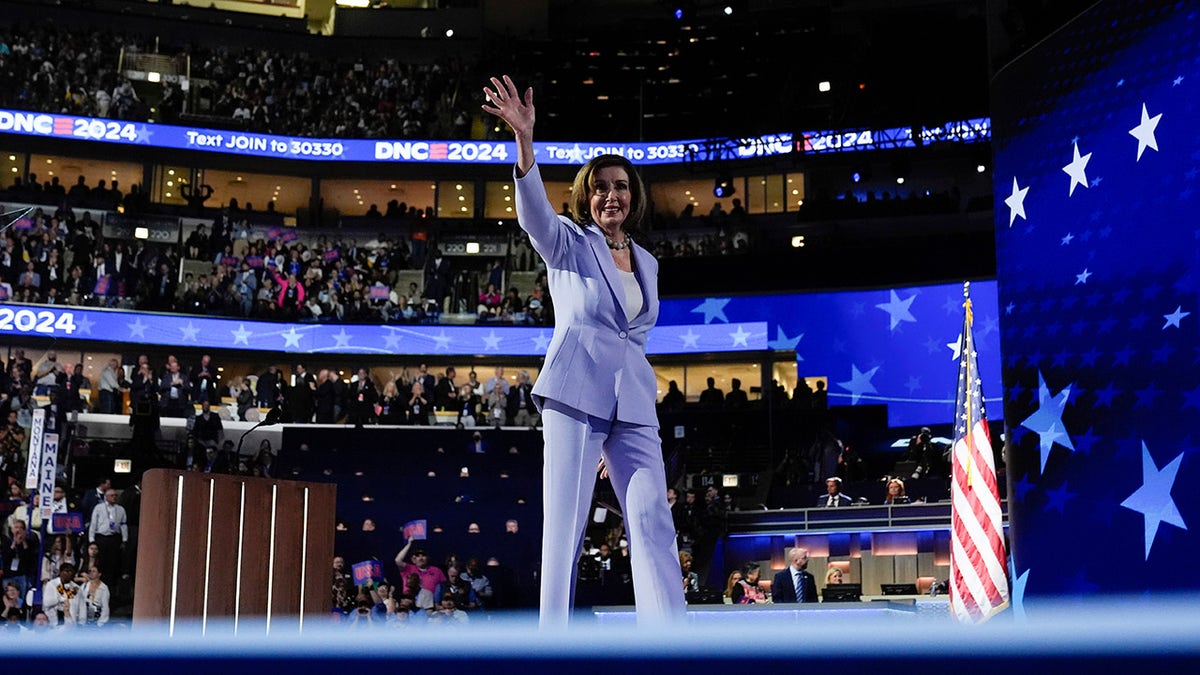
point(109, 530)
point(794, 583)
point(712, 397)
point(92, 601)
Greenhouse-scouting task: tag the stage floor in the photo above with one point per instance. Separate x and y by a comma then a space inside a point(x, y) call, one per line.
point(1095, 637)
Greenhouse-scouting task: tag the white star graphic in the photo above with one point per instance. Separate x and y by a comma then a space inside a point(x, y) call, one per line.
point(143, 134)
point(689, 339)
point(391, 340)
point(342, 339)
point(1153, 498)
point(1174, 318)
point(712, 308)
point(491, 341)
point(137, 328)
point(241, 335)
point(783, 342)
point(1067, 239)
point(739, 338)
point(1082, 277)
point(189, 332)
point(1076, 170)
point(859, 383)
point(1016, 202)
point(291, 338)
point(956, 347)
point(541, 342)
point(1047, 422)
point(897, 309)
point(1144, 132)
point(84, 325)
point(443, 342)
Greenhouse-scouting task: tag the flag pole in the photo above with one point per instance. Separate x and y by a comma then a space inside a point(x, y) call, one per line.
point(967, 346)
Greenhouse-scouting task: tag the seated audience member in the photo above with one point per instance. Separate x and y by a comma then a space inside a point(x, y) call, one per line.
point(833, 576)
point(834, 496)
point(691, 580)
point(734, 578)
point(895, 493)
point(747, 591)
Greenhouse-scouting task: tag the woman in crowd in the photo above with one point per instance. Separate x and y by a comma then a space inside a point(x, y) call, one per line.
point(90, 558)
point(747, 591)
point(60, 553)
point(418, 405)
point(833, 576)
point(606, 297)
point(391, 406)
point(734, 578)
point(895, 493)
point(91, 602)
point(691, 580)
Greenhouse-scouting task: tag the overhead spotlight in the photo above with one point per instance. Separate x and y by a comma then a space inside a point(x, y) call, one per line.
point(728, 10)
point(723, 187)
point(823, 86)
point(798, 241)
point(980, 168)
point(856, 177)
point(449, 32)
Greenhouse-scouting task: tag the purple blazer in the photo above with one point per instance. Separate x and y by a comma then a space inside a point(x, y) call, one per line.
point(596, 362)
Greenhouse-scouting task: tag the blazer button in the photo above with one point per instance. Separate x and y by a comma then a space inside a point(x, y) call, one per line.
point(623, 335)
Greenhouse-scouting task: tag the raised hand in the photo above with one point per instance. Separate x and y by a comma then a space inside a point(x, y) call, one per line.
point(507, 104)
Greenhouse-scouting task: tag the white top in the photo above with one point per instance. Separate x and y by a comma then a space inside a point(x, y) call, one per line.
point(633, 295)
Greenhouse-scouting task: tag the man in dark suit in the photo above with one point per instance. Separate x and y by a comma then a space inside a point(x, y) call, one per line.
point(833, 494)
point(794, 583)
point(301, 395)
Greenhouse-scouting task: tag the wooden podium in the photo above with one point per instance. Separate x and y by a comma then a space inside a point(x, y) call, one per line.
point(234, 550)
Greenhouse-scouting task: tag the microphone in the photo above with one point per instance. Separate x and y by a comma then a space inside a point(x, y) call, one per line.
point(271, 419)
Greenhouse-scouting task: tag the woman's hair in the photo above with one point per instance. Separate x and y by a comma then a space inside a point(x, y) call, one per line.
point(748, 568)
point(729, 584)
point(684, 557)
point(585, 182)
point(832, 571)
point(897, 481)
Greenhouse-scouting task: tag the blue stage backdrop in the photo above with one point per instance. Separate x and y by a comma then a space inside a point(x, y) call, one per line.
point(897, 347)
point(1096, 159)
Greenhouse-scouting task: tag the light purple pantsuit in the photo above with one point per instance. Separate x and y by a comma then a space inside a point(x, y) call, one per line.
point(597, 392)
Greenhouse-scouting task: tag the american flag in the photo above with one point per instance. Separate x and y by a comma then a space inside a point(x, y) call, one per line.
point(978, 575)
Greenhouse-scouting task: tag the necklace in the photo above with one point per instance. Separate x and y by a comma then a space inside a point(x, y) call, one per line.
point(615, 246)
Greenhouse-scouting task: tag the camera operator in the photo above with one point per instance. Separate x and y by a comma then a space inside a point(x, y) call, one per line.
point(929, 457)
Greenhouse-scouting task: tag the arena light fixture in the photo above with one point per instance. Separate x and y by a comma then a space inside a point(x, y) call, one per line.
point(357, 4)
point(823, 86)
